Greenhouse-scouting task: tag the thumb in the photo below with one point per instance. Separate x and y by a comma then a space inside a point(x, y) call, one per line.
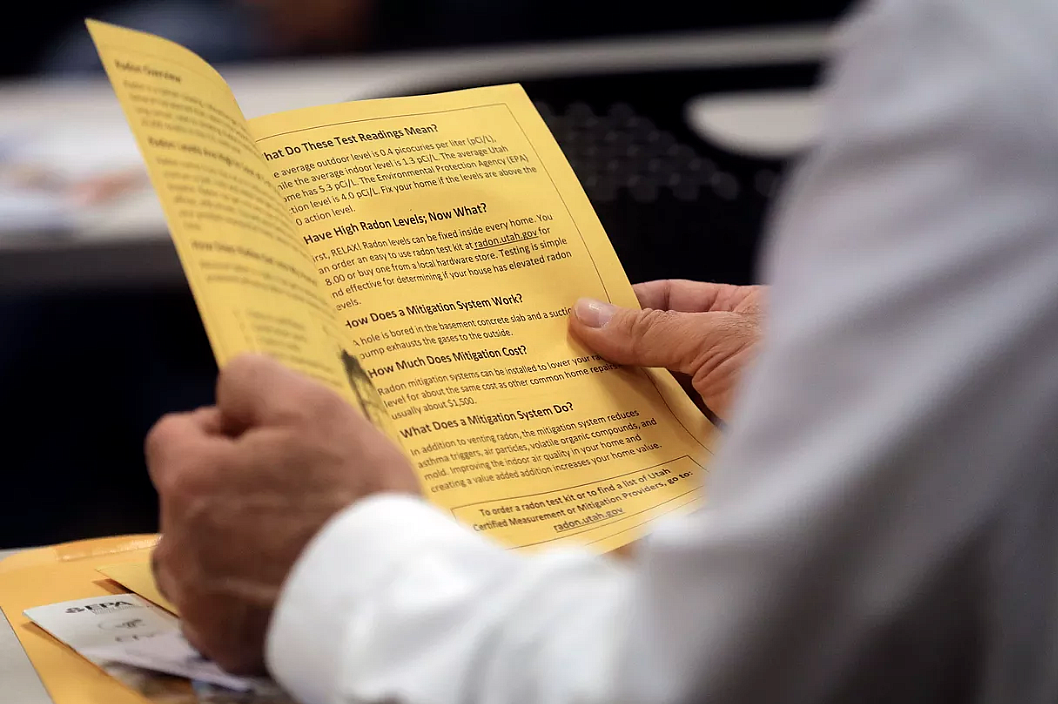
point(679, 342)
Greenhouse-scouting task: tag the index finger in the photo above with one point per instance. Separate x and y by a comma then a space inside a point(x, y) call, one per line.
point(255, 390)
point(175, 436)
point(687, 296)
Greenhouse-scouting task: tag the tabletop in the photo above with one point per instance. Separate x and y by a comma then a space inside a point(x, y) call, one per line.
point(20, 682)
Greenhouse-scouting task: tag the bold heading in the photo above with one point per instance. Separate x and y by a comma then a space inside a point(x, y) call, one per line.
point(147, 70)
point(460, 211)
point(449, 358)
point(435, 308)
point(357, 138)
point(514, 415)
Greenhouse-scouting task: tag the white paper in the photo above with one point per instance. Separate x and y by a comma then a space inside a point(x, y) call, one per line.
point(128, 630)
point(100, 621)
point(169, 653)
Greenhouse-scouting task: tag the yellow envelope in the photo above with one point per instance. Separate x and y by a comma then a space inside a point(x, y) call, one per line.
point(63, 573)
point(138, 579)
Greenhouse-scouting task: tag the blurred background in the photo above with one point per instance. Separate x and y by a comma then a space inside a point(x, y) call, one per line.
point(679, 118)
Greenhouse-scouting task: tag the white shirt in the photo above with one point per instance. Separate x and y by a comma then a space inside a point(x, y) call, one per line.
point(882, 521)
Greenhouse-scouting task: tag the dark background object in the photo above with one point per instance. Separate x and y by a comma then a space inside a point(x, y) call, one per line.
point(408, 24)
point(83, 376)
point(673, 205)
point(42, 28)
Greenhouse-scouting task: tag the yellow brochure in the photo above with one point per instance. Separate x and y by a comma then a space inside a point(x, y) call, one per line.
point(420, 256)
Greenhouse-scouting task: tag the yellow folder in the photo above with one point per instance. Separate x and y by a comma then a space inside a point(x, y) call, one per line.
point(63, 573)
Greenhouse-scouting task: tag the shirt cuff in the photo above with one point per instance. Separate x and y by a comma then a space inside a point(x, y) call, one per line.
point(355, 551)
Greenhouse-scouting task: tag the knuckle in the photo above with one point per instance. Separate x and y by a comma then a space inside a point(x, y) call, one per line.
point(315, 401)
point(159, 449)
point(244, 364)
point(239, 372)
point(179, 484)
point(161, 569)
point(291, 441)
point(199, 632)
point(644, 328)
point(229, 662)
point(232, 659)
point(184, 478)
point(649, 320)
point(159, 436)
point(162, 554)
point(215, 628)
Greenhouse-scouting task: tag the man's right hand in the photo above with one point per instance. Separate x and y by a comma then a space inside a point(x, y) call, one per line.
point(706, 332)
point(245, 485)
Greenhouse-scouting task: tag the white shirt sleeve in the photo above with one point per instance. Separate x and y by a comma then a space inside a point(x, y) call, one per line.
point(396, 602)
point(907, 384)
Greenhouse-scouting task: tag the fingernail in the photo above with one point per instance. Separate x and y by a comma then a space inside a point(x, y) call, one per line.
point(594, 313)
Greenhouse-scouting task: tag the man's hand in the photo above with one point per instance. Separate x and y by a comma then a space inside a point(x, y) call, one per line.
point(707, 333)
point(244, 486)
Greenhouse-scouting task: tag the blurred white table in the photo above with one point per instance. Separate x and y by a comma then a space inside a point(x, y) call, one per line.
point(20, 682)
point(128, 243)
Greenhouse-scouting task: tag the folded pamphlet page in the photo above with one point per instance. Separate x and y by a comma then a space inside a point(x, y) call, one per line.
point(420, 256)
point(138, 578)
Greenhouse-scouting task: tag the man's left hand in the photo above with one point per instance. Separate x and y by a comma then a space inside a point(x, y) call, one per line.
point(706, 334)
point(243, 488)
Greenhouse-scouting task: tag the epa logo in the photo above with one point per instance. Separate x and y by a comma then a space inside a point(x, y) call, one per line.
point(103, 607)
